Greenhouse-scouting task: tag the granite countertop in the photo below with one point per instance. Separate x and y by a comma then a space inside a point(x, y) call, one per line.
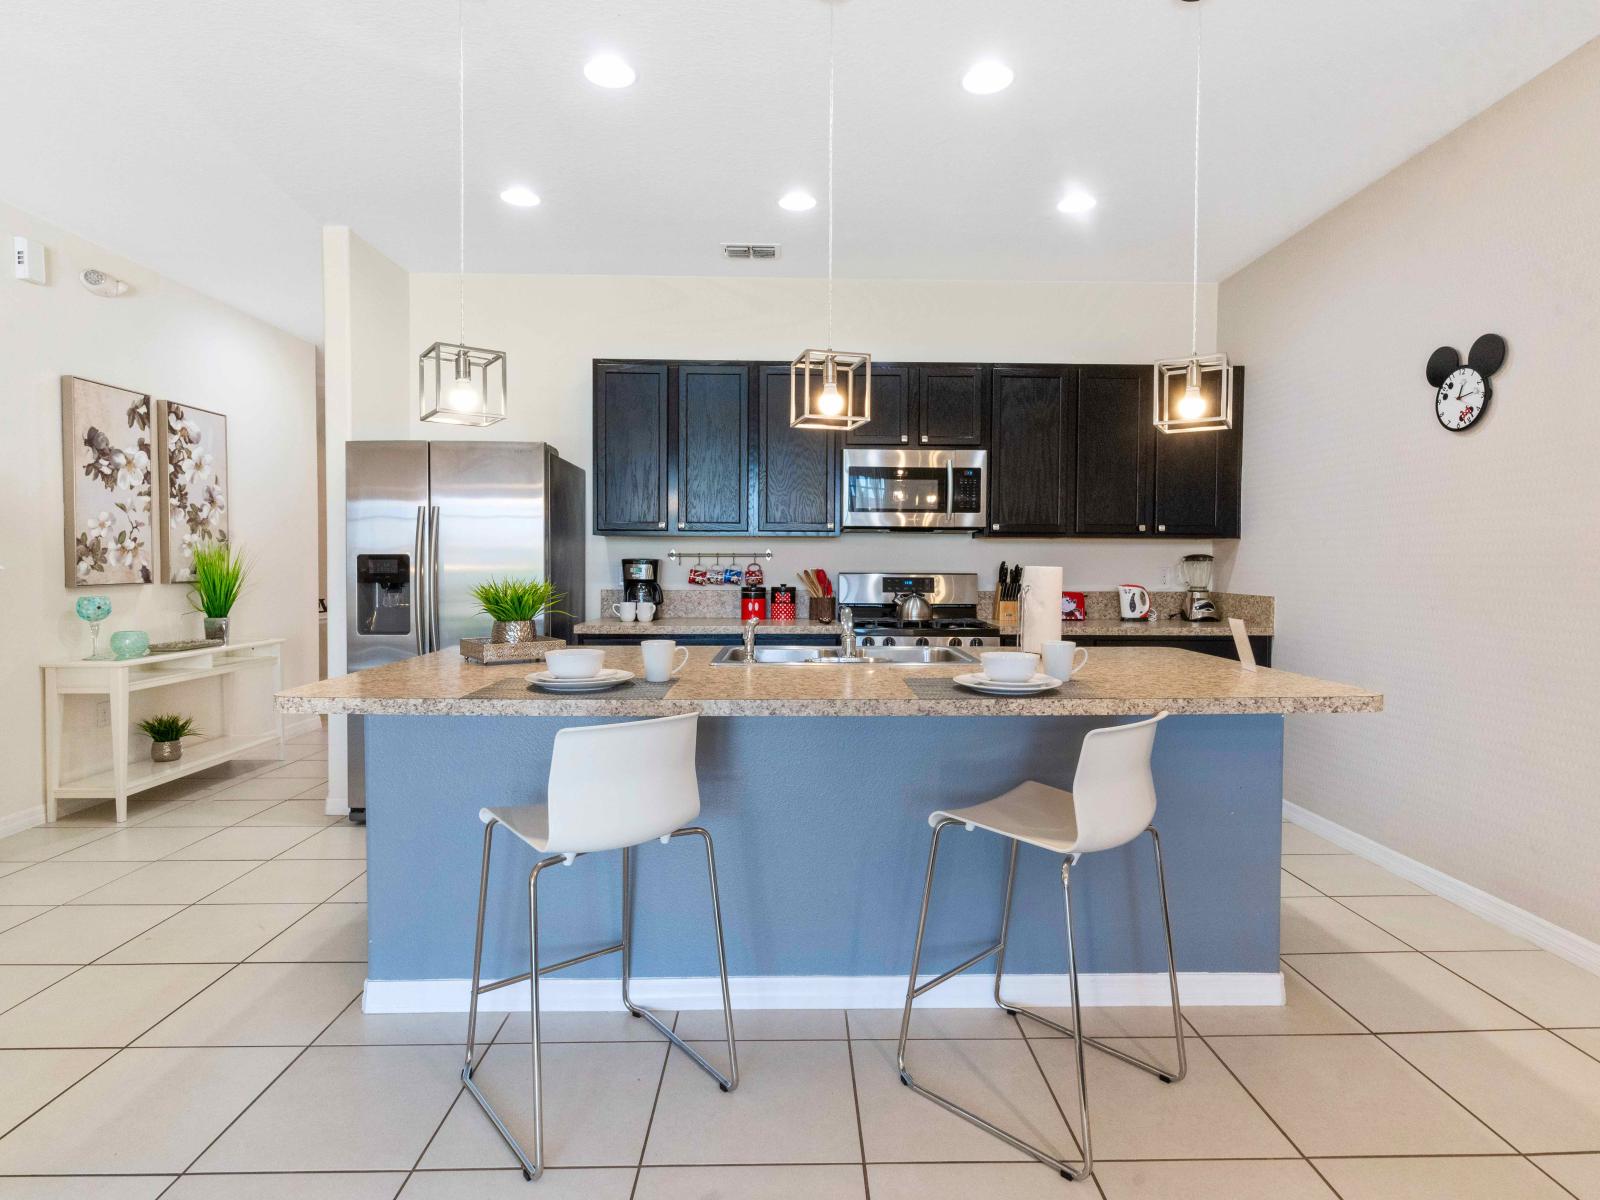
point(1118, 681)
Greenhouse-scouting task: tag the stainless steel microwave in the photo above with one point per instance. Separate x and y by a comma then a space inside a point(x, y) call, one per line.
point(915, 489)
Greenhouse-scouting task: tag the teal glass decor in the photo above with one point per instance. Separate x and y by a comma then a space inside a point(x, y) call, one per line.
point(130, 643)
point(94, 609)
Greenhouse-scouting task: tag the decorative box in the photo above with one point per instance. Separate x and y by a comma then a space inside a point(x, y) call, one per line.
point(482, 650)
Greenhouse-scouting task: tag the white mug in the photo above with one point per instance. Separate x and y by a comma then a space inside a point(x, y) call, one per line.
point(626, 610)
point(1063, 660)
point(647, 611)
point(658, 656)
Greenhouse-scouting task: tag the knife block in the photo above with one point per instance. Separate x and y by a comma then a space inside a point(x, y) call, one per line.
point(1007, 615)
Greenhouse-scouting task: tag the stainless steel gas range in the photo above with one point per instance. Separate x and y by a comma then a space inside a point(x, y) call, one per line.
point(876, 602)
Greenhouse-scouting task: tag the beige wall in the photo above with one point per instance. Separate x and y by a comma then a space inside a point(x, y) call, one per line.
point(553, 327)
point(175, 344)
point(1459, 573)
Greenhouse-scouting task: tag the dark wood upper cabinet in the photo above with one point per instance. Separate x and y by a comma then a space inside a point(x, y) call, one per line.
point(797, 470)
point(1197, 475)
point(892, 400)
point(713, 459)
point(1034, 411)
point(951, 405)
point(630, 438)
point(1116, 444)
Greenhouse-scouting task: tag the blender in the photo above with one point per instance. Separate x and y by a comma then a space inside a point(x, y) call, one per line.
point(1195, 570)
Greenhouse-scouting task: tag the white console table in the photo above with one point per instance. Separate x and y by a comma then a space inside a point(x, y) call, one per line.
point(118, 679)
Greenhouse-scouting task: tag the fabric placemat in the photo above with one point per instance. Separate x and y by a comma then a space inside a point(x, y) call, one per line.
point(516, 688)
point(943, 688)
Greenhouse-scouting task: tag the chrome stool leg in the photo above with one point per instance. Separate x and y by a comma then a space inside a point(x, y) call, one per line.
point(731, 1080)
point(1166, 1075)
point(913, 990)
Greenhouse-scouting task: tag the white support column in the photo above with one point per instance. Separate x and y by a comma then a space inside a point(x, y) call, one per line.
point(119, 741)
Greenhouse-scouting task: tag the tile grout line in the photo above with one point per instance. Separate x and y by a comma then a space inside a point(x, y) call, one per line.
point(855, 1101)
point(655, 1103)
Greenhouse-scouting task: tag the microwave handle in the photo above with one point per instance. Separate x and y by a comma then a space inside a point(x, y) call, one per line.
point(950, 487)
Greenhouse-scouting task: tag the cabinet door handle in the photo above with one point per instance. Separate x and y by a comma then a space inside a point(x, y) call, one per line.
point(905, 438)
point(661, 524)
point(1161, 528)
point(996, 528)
point(1142, 528)
point(924, 437)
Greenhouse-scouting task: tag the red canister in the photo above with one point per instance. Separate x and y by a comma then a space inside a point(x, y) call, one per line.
point(783, 603)
point(753, 603)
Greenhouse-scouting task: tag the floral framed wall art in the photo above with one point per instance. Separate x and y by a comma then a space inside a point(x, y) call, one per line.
point(105, 443)
point(193, 453)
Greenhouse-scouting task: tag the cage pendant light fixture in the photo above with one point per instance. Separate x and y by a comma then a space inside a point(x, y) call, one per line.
point(830, 389)
point(458, 384)
point(1195, 393)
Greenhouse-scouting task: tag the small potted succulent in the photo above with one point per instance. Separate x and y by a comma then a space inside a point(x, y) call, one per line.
point(166, 732)
point(218, 581)
point(515, 605)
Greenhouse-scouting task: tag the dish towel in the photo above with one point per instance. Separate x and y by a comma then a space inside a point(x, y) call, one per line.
point(1040, 610)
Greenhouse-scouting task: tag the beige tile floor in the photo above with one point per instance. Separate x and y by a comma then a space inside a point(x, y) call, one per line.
point(180, 1018)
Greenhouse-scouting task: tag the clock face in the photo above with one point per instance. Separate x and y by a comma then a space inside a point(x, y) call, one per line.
point(1462, 398)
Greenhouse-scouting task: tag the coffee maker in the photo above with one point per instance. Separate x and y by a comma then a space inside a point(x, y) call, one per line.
point(1197, 602)
point(641, 580)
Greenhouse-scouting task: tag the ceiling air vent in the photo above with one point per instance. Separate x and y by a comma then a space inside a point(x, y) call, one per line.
point(763, 250)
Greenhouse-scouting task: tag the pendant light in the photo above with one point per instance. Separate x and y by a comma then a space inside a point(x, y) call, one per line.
point(822, 383)
point(459, 384)
point(1195, 393)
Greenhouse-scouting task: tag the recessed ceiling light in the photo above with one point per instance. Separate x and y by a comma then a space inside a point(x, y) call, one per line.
point(1076, 202)
point(797, 201)
point(520, 197)
point(986, 78)
point(608, 71)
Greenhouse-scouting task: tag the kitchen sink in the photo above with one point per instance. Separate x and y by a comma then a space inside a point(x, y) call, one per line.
point(892, 656)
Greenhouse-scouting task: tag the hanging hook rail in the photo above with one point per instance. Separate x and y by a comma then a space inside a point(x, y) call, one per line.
point(716, 556)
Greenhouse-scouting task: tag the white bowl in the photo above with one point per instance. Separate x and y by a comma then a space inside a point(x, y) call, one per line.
point(1009, 666)
point(575, 664)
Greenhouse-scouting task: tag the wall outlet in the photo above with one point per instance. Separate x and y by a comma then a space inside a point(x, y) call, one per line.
point(102, 714)
point(28, 259)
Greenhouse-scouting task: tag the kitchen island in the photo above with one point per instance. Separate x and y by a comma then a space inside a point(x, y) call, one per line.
point(816, 782)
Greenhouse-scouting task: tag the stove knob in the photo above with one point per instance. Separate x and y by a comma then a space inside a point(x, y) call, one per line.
point(953, 642)
point(922, 641)
point(866, 641)
point(977, 641)
point(888, 641)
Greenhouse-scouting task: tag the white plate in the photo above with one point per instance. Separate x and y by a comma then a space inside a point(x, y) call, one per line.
point(610, 677)
point(992, 687)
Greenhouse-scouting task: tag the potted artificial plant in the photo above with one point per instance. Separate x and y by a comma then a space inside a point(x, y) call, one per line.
point(218, 581)
point(166, 732)
point(514, 605)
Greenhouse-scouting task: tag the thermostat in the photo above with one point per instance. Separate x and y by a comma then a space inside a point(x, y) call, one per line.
point(29, 258)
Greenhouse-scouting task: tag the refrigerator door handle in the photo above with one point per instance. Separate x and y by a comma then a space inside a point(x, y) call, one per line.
point(419, 586)
point(433, 578)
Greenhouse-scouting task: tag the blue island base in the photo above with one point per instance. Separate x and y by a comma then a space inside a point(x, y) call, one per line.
point(822, 841)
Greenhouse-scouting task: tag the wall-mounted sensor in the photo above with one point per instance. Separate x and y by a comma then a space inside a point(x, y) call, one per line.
point(29, 259)
point(102, 284)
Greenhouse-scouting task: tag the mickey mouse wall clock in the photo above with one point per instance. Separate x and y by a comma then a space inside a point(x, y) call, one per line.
point(1463, 391)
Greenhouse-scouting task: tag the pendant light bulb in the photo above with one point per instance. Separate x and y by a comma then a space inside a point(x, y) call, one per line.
point(463, 395)
point(830, 402)
point(1193, 403)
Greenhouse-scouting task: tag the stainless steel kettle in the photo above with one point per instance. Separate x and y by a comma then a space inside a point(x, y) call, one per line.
point(912, 606)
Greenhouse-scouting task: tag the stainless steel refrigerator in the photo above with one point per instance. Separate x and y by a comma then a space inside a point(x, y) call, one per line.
point(425, 522)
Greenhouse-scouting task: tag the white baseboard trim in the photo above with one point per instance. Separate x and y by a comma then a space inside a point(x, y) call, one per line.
point(17, 822)
point(824, 991)
point(1542, 933)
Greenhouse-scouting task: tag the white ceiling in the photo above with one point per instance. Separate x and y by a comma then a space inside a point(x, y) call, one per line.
point(210, 140)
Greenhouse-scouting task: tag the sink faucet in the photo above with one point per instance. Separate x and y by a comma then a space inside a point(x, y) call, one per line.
point(749, 635)
point(847, 633)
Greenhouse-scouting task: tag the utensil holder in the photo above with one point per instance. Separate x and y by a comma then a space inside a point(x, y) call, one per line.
point(821, 608)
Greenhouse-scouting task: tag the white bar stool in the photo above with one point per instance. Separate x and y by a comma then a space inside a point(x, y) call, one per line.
point(594, 802)
point(1112, 801)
